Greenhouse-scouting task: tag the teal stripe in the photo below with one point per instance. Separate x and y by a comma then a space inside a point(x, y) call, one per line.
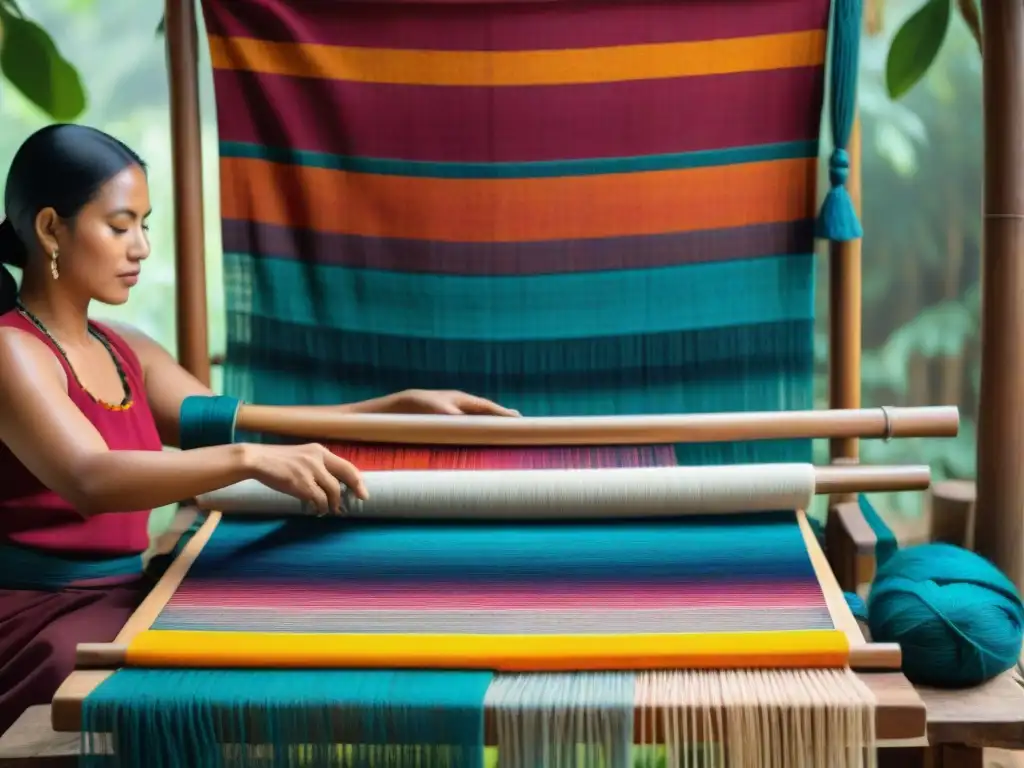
point(25, 568)
point(534, 307)
point(526, 170)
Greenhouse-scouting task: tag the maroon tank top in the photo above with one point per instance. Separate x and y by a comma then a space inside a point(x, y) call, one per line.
point(34, 516)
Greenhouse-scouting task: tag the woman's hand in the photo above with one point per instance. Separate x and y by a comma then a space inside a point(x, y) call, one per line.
point(308, 472)
point(448, 402)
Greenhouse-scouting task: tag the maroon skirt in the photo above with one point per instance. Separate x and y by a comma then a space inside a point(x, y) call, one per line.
point(40, 630)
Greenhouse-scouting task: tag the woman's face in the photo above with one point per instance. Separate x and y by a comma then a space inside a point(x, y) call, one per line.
point(104, 250)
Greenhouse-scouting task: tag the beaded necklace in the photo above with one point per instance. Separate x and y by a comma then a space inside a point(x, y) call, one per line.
point(126, 403)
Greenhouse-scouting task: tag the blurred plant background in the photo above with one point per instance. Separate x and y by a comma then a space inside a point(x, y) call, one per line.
point(102, 62)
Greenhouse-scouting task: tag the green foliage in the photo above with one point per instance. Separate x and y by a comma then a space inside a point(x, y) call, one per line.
point(916, 45)
point(31, 62)
point(918, 42)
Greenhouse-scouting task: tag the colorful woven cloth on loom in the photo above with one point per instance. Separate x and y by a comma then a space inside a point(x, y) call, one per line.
point(570, 207)
point(324, 593)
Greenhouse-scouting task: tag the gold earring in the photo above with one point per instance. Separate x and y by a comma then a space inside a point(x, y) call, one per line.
point(53, 264)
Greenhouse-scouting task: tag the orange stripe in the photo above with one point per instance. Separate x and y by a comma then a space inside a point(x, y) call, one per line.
point(519, 210)
point(505, 68)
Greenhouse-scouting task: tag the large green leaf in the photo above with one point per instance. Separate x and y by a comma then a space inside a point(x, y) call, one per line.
point(916, 45)
point(30, 61)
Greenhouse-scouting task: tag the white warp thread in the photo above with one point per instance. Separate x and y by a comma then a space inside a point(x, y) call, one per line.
point(549, 493)
point(757, 719)
point(685, 719)
point(563, 720)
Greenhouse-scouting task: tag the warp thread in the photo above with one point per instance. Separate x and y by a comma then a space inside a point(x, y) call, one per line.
point(558, 720)
point(345, 718)
point(749, 718)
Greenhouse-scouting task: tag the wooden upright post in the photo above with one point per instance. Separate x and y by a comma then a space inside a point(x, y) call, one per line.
point(999, 517)
point(182, 41)
point(845, 314)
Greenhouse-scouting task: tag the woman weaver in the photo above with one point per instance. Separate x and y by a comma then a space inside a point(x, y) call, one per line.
point(85, 412)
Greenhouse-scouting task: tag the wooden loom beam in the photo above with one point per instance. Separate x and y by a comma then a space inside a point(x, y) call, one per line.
point(899, 716)
point(328, 424)
point(999, 522)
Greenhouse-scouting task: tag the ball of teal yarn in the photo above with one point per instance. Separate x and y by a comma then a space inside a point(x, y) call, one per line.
point(957, 618)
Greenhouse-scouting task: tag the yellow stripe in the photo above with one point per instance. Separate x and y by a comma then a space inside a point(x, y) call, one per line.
point(502, 653)
point(499, 68)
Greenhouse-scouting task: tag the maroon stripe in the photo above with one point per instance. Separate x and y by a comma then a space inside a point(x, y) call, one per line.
point(509, 26)
point(419, 256)
point(516, 124)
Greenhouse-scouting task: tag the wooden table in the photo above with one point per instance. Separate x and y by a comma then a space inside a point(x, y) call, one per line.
point(967, 729)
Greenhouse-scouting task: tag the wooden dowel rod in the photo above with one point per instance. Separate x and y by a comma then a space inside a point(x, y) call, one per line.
point(100, 656)
point(870, 656)
point(870, 479)
point(876, 656)
point(325, 424)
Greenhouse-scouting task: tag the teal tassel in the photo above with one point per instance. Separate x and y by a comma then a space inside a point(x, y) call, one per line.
point(204, 421)
point(838, 220)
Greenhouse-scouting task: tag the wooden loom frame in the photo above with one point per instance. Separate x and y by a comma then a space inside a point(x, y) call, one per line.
point(900, 712)
point(899, 715)
point(1000, 428)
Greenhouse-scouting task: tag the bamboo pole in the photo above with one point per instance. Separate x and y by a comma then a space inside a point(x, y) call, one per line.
point(999, 520)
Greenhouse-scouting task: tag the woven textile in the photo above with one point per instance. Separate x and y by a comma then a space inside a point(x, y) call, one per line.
point(570, 207)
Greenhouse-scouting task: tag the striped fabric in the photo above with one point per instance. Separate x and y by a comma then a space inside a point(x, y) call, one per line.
point(713, 574)
point(572, 207)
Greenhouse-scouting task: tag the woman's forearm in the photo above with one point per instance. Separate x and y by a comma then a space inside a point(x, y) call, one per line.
point(123, 481)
